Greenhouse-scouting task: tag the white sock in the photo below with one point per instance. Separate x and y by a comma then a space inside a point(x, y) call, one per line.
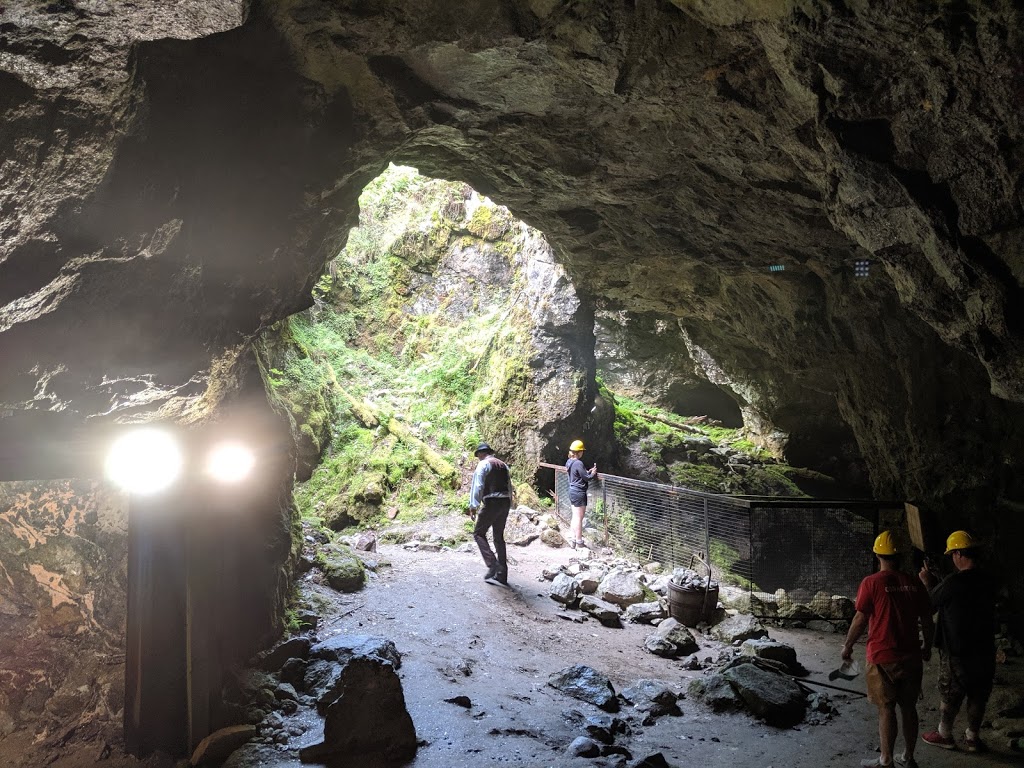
point(971, 735)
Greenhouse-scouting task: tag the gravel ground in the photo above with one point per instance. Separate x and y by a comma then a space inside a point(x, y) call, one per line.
point(462, 637)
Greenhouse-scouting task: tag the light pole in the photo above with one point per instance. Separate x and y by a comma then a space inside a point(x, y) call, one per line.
point(175, 544)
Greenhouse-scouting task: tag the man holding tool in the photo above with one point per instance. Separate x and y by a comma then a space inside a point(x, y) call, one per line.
point(965, 639)
point(894, 608)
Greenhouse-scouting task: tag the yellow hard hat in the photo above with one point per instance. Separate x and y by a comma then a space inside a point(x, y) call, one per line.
point(886, 544)
point(577, 445)
point(960, 540)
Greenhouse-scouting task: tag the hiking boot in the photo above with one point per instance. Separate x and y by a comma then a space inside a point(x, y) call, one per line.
point(936, 739)
point(975, 745)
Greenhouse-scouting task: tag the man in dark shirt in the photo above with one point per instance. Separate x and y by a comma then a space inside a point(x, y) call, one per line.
point(490, 499)
point(965, 639)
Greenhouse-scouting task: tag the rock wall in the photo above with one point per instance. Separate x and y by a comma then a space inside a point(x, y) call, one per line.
point(670, 152)
point(210, 158)
point(63, 571)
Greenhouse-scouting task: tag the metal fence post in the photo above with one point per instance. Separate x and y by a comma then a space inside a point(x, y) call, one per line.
point(604, 509)
point(707, 531)
point(753, 555)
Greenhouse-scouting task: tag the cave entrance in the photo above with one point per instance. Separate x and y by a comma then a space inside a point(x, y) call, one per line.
point(445, 321)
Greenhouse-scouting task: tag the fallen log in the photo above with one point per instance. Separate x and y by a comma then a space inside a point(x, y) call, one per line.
point(370, 419)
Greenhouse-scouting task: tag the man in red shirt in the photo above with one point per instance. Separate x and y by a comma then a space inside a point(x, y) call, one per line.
point(895, 609)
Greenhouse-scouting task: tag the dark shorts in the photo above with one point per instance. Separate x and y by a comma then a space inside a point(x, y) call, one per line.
point(961, 676)
point(896, 683)
point(577, 498)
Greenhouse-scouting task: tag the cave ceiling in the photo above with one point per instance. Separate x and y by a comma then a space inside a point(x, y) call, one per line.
point(172, 182)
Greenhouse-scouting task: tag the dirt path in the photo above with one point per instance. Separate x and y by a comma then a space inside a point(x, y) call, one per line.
point(462, 637)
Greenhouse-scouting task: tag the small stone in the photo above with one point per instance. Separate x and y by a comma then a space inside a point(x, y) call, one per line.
point(583, 747)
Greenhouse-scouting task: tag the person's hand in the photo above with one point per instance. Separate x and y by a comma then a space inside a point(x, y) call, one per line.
point(927, 577)
point(847, 654)
point(471, 513)
point(926, 653)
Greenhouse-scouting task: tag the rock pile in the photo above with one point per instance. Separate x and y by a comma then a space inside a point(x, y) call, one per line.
point(689, 579)
point(648, 699)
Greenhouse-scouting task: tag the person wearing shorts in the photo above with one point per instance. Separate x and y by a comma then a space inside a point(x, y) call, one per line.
point(965, 640)
point(579, 481)
point(894, 608)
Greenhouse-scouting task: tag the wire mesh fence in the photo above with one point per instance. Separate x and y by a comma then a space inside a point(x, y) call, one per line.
point(762, 545)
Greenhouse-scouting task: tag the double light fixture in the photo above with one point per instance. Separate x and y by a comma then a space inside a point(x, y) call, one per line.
point(149, 460)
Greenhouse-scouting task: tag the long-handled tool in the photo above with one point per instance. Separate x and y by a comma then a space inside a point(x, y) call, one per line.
point(804, 682)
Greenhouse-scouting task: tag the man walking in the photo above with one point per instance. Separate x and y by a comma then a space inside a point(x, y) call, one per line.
point(965, 639)
point(894, 608)
point(490, 499)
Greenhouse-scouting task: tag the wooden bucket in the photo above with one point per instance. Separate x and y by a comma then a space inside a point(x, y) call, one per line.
point(691, 606)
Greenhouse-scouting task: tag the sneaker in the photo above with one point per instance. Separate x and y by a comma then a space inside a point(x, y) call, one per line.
point(875, 762)
point(581, 544)
point(906, 762)
point(975, 745)
point(497, 581)
point(491, 573)
point(936, 739)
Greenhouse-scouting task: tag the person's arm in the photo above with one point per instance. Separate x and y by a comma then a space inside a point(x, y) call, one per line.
point(593, 471)
point(941, 593)
point(857, 627)
point(478, 485)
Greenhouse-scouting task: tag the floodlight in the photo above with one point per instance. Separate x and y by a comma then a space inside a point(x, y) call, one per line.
point(776, 267)
point(144, 461)
point(860, 268)
point(230, 463)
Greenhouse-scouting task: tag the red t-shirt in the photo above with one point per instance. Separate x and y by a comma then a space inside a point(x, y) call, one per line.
point(894, 604)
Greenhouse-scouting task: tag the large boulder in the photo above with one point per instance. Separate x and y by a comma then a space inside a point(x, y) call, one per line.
point(622, 588)
point(342, 568)
point(564, 589)
point(774, 651)
point(368, 720)
point(770, 696)
point(739, 628)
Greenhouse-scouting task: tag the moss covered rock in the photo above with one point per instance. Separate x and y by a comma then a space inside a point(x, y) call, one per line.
point(342, 568)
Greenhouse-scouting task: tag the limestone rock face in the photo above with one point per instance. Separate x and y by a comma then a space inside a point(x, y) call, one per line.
point(669, 155)
point(174, 180)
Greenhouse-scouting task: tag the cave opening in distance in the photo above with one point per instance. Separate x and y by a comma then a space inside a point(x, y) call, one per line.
point(445, 321)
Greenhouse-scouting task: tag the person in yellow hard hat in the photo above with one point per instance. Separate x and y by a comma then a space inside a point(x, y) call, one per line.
point(579, 481)
point(894, 608)
point(965, 639)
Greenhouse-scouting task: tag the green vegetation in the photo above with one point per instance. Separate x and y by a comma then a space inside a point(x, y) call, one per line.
point(680, 449)
point(393, 361)
point(407, 358)
point(722, 558)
